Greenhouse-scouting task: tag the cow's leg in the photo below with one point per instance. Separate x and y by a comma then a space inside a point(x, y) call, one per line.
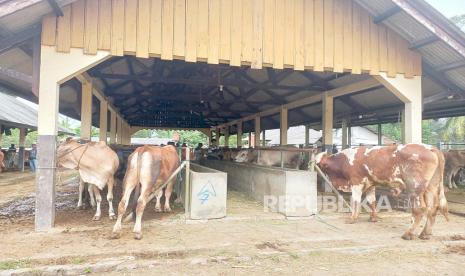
point(158, 201)
point(431, 199)
point(356, 202)
point(122, 206)
point(371, 199)
point(91, 195)
point(453, 176)
point(81, 190)
point(418, 210)
point(141, 203)
point(98, 198)
point(111, 211)
point(168, 191)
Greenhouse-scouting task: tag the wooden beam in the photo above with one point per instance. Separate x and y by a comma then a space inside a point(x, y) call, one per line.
point(15, 75)
point(450, 66)
point(56, 8)
point(385, 15)
point(14, 40)
point(423, 42)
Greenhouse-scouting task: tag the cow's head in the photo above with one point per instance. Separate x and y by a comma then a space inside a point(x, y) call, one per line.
point(242, 156)
point(321, 160)
point(65, 150)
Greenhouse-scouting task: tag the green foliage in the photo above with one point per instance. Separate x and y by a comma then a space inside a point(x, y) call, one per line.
point(31, 138)
point(191, 138)
point(454, 130)
point(459, 20)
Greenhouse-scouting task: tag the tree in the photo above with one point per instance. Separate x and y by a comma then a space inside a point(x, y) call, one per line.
point(459, 20)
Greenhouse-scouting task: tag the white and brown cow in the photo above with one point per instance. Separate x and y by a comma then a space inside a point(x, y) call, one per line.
point(455, 161)
point(2, 157)
point(148, 168)
point(416, 168)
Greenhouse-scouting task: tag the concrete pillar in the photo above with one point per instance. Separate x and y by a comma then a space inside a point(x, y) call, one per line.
point(112, 127)
point(307, 136)
point(402, 127)
point(327, 121)
point(86, 110)
point(1, 136)
point(257, 132)
point(409, 92)
point(239, 134)
point(263, 139)
point(226, 136)
point(22, 140)
point(283, 126)
point(103, 121)
point(344, 134)
point(380, 135)
point(250, 140)
point(119, 131)
point(349, 136)
point(52, 74)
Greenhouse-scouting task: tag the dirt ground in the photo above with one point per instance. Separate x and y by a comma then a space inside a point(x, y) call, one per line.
point(248, 241)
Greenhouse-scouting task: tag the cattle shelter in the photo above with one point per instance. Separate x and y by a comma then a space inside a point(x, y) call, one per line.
point(227, 67)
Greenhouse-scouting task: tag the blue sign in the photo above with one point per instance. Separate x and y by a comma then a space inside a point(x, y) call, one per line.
point(206, 192)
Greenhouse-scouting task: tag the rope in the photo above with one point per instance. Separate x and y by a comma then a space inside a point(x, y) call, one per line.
point(323, 175)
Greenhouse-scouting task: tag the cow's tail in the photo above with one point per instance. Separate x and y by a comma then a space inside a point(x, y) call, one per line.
point(443, 208)
point(136, 193)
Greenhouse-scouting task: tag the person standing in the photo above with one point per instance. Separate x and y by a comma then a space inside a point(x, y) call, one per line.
point(33, 158)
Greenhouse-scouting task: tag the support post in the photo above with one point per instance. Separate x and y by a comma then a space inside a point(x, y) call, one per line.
point(22, 139)
point(86, 110)
point(103, 121)
point(344, 133)
point(239, 134)
point(408, 91)
point(283, 126)
point(1, 136)
point(349, 135)
point(119, 131)
point(250, 139)
point(257, 132)
point(307, 135)
point(263, 139)
point(112, 127)
point(380, 135)
point(226, 136)
point(327, 122)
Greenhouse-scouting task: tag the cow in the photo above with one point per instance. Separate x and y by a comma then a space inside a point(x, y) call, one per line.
point(416, 168)
point(271, 158)
point(455, 161)
point(2, 165)
point(96, 164)
point(148, 168)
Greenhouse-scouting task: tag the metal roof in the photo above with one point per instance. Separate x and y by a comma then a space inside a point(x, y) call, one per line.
point(14, 113)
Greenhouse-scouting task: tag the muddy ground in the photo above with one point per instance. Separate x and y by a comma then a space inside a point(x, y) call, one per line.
point(248, 241)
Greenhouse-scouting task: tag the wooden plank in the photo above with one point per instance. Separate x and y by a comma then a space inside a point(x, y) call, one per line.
point(400, 54)
point(299, 36)
point(225, 30)
point(155, 28)
point(213, 31)
point(104, 25)
point(392, 53)
point(366, 54)
point(91, 28)
point(236, 34)
point(348, 35)
point(374, 48)
point(409, 67)
point(356, 40)
point(417, 64)
point(49, 27)
point(278, 57)
point(319, 36)
point(268, 32)
point(117, 28)
point(247, 31)
point(339, 35)
point(167, 29)
point(202, 33)
point(328, 34)
point(130, 27)
point(309, 34)
point(77, 23)
point(289, 33)
point(383, 51)
point(64, 30)
point(257, 22)
point(143, 29)
point(192, 7)
point(179, 43)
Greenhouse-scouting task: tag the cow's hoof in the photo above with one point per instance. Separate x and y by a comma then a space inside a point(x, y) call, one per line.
point(158, 210)
point(167, 210)
point(424, 236)
point(138, 236)
point(112, 217)
point(350, 221)
point(115, 235)
point(96, 218)
point(373, 219)
point(408, 236)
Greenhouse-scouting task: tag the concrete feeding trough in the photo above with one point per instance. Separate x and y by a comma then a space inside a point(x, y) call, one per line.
point(292, 193)
point(208, 193)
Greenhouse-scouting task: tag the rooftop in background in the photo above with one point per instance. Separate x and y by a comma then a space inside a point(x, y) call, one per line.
point(15, 114)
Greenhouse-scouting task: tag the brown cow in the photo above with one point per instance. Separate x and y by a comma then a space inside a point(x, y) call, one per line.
point(150, 167)
point(416, 168)
point(2, 165)
point(270, 158)
point(455, 161)
point(97, 165)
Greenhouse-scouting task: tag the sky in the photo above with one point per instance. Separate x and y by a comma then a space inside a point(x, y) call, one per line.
point(449, 7)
